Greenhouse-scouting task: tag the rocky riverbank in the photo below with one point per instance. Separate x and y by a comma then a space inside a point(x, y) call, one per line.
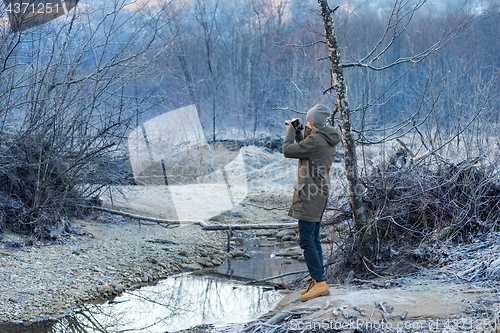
point(42, 281)
point(45, 281)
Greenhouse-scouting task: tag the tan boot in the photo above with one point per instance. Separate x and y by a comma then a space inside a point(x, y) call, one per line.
point(302, 292)
point(317, 289)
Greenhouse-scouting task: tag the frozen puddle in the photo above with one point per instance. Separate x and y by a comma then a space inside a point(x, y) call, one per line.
point(172, 304)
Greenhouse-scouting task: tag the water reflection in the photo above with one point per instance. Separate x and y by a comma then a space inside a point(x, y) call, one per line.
point(173, 304)
point(183, 301)
point(264, 262)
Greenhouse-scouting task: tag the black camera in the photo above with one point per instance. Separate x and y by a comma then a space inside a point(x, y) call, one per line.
point(294, 122)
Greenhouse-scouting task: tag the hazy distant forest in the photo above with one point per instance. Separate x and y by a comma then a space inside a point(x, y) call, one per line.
point(72, 89)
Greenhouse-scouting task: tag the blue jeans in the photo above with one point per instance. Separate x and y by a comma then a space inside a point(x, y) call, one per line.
point(309, 242)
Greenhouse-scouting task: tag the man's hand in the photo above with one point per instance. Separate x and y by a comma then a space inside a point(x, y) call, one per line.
point(300, 123)
point(289, 124)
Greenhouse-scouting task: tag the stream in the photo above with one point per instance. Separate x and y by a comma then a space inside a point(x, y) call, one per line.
point(213, 296)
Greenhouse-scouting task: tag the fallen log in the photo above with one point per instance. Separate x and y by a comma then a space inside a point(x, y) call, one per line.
point(248, 226)
point(203, 224)
point(265, 208)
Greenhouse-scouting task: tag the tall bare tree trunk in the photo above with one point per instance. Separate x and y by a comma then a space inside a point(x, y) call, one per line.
point(354, 187)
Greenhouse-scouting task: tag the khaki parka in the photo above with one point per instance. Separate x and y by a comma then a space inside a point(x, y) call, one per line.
point(315, 152)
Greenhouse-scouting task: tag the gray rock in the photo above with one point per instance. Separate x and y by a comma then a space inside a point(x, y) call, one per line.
point(267, 233)
point(216, 259)
point(294, 251)
point(238, 239)
point(191, 267)
point(287, 238)
point(239, 254)
point(117, 287)
point(286, 232)
point(205, 262)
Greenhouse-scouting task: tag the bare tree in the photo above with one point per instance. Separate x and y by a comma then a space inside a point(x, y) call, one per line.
point(65, 87)
point(398, 21)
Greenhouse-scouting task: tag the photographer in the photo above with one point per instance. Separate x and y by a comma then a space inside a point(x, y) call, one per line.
point(315, 149)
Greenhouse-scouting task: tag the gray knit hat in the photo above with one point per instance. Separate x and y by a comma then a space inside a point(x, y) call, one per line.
point(317, 116)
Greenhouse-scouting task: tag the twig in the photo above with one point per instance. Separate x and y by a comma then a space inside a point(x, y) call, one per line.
point(306, 45)
point(345, 314)
point(374, 284)
point(368, 268)
point(320, 315)
point(373, 311)
point(288, 109)
point(275, 277)
point(161, 225)
point(405, 148)
point(361, 311)
point(403, 316)
point(381, 306)
point(259, 326)
point(250, 327)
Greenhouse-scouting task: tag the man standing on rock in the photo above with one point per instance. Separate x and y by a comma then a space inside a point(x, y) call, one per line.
point(315, 149)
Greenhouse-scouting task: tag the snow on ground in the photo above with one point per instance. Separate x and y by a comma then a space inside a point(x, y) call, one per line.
point(255, 170)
